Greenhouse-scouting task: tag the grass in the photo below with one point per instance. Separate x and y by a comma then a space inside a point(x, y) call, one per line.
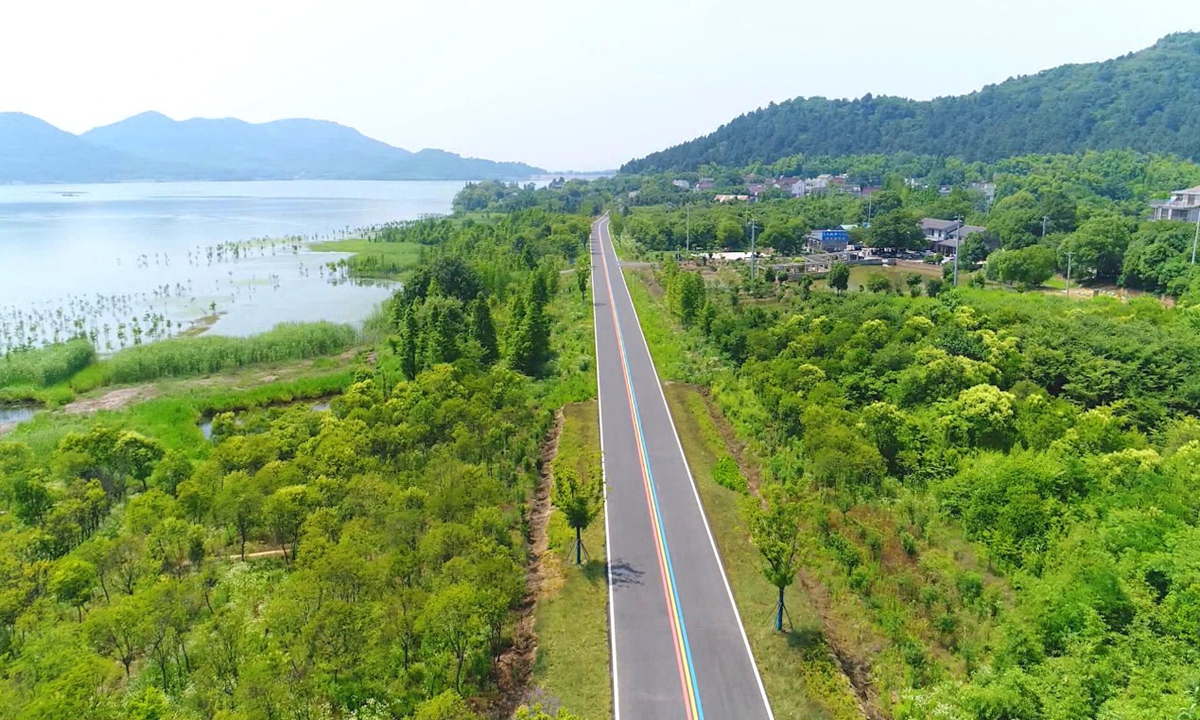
point(45, 366)
point(657, 326)
point(174, 409)
point(209, 354)
point(801, 677)
point(571, 622)
point(374, 259)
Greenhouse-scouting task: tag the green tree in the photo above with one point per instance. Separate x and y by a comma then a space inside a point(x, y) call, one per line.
point(136, 456)
point(72, 583)
point(687, 296)
point(774, 523)
point(879, 283)
point(898, 229)
point(119, 630)
point(913, 280)
point(451, 621)
point(839, 277)
point(240, 504)
point(579, 499)
point(1029, 267)
point(483, 330)
point(284, 513)
point(1097, 247)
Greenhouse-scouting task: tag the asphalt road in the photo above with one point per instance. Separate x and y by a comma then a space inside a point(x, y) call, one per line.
point(678, 648)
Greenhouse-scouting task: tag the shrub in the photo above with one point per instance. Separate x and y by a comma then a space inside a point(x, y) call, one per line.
point(727, 474)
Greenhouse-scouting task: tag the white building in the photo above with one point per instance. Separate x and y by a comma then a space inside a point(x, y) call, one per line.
point(1184, 205)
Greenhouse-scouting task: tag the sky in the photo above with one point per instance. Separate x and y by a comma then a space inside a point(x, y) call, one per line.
point(559, 84)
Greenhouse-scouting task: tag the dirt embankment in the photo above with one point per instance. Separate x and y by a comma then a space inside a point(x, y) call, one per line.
point(515, 665)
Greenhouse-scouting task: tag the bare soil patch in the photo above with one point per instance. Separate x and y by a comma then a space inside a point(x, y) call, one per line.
point(113, 400)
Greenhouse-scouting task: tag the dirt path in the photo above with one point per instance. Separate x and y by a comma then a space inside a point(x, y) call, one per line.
point(114, 400)
point(515, 665)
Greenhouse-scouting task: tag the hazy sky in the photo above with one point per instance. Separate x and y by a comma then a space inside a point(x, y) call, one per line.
point(558, 83)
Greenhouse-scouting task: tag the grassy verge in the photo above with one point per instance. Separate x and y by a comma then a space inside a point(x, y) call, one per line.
point(572, 666)
point(801, 677)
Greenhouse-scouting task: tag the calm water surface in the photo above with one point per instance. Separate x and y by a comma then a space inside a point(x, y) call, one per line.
point(101, 255)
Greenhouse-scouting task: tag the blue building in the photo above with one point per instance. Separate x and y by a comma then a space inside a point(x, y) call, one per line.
point(831, 241)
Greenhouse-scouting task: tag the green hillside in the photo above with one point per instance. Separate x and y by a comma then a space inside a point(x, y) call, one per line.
point(1148, 100)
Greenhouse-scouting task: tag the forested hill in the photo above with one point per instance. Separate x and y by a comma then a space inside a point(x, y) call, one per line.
point(1148, 100)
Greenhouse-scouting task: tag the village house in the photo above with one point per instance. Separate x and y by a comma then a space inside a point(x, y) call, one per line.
point(944, 236)
point(1184, 205)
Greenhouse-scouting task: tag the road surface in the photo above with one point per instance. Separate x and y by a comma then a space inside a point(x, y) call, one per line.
point(678, 648)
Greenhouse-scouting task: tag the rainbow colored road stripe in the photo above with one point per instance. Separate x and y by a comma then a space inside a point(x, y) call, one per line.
point(683, 651)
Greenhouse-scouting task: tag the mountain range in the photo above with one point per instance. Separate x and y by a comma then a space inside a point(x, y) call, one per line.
point(1147, 100)
point(152, 146)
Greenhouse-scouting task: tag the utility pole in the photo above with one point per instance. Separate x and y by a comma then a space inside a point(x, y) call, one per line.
point(753, 226)
point(957, 249)
point(1045, 219)
point(1197, 240)
point(1069, 254)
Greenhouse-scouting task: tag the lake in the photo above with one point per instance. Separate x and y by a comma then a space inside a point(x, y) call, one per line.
point(101, 255)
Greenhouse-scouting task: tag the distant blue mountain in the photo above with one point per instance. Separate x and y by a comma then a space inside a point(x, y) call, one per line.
point(152, 146)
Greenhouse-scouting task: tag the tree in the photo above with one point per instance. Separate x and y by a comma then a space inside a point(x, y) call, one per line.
point(730, 233)
point(1097, 247)
point(174, 468)
point(30, 496)
point(582, 270)
point(879, 283)
point(898, 229)
point(119, 630)
point(579, 499)
point(974, 250)
point(72, 582)
point(483, 330)
point(839, 277)
point(451, 620)
point(284, 513)
point(136, 456)
point(933, 286)
point(913, 281)
point(240, 504)
point(687, 296)
point(409, 338)
point(177, 543)
point(774, 523)
point(1029, 267)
